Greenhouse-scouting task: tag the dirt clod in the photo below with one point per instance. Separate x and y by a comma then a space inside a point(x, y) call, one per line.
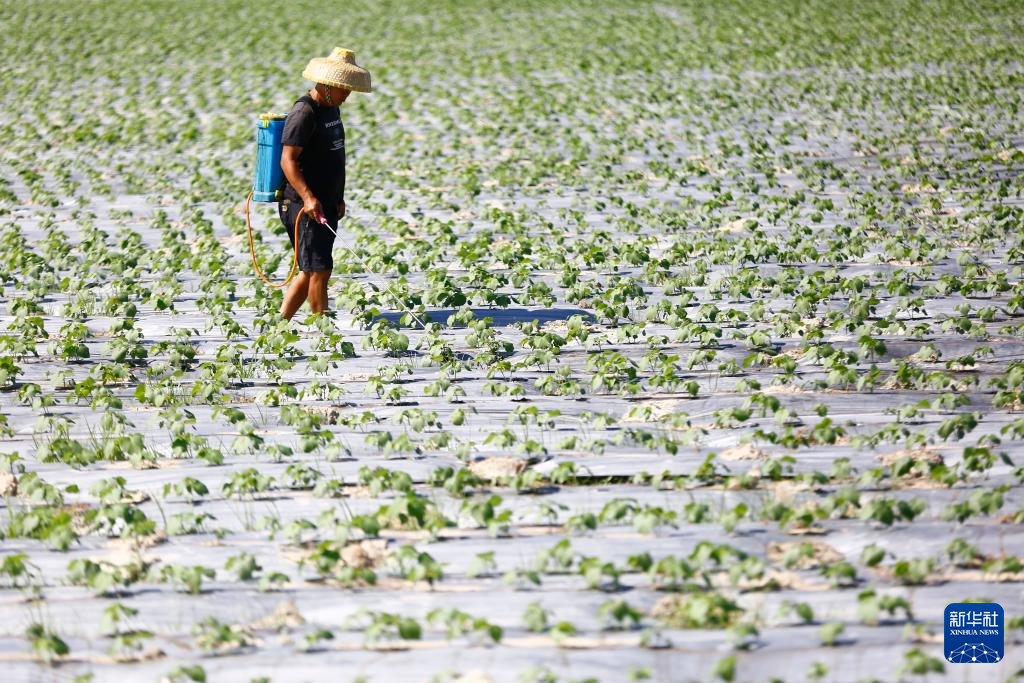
point(497, 467)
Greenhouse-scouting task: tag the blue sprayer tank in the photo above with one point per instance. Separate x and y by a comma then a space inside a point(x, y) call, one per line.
point(269, 178)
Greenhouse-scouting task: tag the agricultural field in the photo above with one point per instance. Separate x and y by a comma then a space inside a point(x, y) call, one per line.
point(672, 341)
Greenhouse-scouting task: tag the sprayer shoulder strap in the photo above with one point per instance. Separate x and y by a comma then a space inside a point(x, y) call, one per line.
point(304, 121)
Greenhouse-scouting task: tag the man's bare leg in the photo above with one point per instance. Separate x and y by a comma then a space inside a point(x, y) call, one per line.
point(318, 290)
point(296, 295)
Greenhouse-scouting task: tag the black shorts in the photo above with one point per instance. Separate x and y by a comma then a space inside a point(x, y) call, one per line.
point(315, 240)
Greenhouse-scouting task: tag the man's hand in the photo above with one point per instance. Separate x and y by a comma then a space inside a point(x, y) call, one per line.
point(312, 207)
point(341, 209)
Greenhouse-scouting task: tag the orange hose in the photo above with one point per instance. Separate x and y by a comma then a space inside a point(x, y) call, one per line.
point(252, 247)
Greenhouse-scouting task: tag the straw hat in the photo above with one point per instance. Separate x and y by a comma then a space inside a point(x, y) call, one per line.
point(340, 70)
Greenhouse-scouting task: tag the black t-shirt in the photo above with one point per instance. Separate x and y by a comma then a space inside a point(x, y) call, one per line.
point(319, 132)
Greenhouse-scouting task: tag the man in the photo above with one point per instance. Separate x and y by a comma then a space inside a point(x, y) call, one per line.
point(313, 161)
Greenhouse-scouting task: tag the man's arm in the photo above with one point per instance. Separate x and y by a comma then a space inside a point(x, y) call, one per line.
point(290, 166)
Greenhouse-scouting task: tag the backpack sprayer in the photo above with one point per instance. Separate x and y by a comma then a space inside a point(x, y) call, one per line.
point(268, 180)
point(267, 183)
